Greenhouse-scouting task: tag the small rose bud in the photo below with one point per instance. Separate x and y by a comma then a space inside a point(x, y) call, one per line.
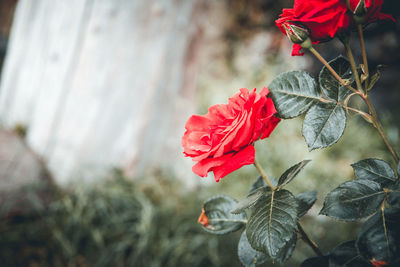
point(203, 219)
point(296, 33)
point(359, 11)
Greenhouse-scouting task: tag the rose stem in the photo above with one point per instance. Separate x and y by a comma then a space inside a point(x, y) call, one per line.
point(326, 64)
point(308, 240)
point(378, 126)
point(263, 174)
point(304, 235)
point(361, 113)
point(364, 54)
point(353, 65)
point(375, 119)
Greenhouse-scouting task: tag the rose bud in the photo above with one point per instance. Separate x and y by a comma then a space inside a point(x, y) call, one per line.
point(359, 11)
point(296, 33)
point(326, 19)
point(367, 11)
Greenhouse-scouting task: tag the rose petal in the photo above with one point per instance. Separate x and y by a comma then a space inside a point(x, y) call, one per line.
point(296, 50)
point(226, 164)
point(243, 157)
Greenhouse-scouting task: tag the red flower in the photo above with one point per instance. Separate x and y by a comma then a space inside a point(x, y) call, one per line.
point(222, 140)
point(326, 18)
point(378, 263)
point(371, 8)
point(323, 18)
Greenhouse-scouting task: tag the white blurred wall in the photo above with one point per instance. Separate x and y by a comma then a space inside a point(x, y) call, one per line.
point(102, 83)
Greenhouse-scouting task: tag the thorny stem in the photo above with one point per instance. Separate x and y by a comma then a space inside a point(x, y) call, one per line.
point(361, 113)
point(263, 174)
point(308, 240)
point(353, 66)
point(375, 119)
point(364, 54)
point(378, 126)
point(334, 73)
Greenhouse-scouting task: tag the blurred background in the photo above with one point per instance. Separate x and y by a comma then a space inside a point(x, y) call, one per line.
point(94, 96)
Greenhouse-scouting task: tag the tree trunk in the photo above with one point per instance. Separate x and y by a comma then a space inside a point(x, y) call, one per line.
point(102, 83)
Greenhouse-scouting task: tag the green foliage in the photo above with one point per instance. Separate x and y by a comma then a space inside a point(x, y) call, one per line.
point(379, 238)
point(273, 222)
point(291, 173)
point(296, 92)
point(286, 252)
point(251, 199)
point(323, 125)
point(274, 213)
point(360, 198)
point(316, 262)
point(393, 199)
point(271, 228)
point(306, 201)
point(220, 219)
point(260, 182)
point(330, 86)
point(353, 200)
point(293, 93)
point(376, 170)
point(248, 256)
point(115, 223)
point(345, 254)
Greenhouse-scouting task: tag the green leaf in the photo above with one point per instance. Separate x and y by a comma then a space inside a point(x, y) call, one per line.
point(293, 93)
point(353, 200)
point(376, 170)
point(248, 256)
point(316, 262)
point(273, 222)
point(259, 182)
point(250, 200)
point(393, 198)
point(373, 80)
point(251, 257)
point(346, 254)
point(379, 238)
point(290, 173)
point(330, 85)
point(375, 77)
point(285, 253)
point(220, 219)
point(398, 169)
point(305, 201)
point(323, 125)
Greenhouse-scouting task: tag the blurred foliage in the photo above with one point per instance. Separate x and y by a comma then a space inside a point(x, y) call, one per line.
point(152, 221)
point(116, 223)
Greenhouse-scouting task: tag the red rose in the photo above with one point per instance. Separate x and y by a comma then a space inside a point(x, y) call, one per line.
point(222, 140)
point(323, 18)
point(371, 8)
point(326, 18)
